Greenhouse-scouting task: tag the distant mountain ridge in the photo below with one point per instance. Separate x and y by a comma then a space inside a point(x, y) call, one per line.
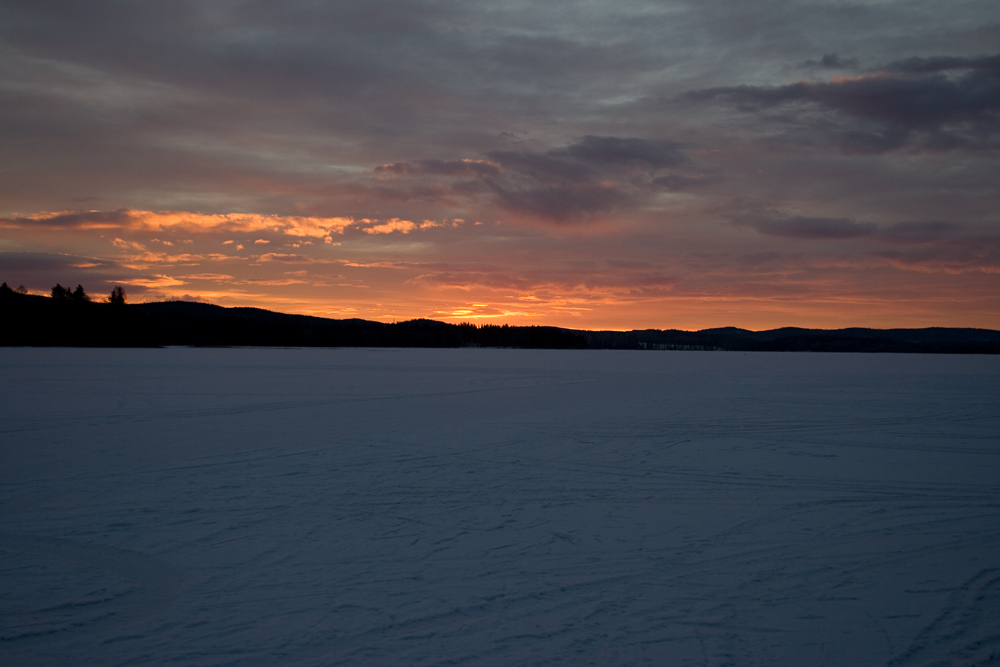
point(31, 320)
point(939, 340)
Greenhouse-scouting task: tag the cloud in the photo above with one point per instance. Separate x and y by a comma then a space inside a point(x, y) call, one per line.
point(376, 265)
point(315, 227)
point(140, 259)
point(157, 281)
point(935, 103)
point(563, 202)
point(209, 276)
point(183, 221)
point(237, 121)
point(928, 247)
point(944, 63)
point(800, 227)
point(951, 259)
point(832, 61)
point(452, 168)
point(52, 264)
point(908, 233)
point(643, 155)
point(127, 245)
point(40, 271)
point(394, 225)
point(278, 282)
point(120, 219)
point(589, 178)
point(287, 258)
point(591, 277)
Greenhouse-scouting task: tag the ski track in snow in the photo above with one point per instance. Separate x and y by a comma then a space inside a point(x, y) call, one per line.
point(498, 507)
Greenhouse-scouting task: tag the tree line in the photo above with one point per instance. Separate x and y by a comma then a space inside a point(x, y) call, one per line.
point(79, 295)
point(72, 318)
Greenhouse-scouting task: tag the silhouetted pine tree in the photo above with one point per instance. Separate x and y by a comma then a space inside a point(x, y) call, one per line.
point(60, 293)
point(117, 297)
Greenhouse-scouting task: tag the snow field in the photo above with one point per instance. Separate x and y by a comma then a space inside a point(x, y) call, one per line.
point(497, 507)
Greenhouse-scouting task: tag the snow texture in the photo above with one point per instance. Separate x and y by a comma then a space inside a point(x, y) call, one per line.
point(498, 507)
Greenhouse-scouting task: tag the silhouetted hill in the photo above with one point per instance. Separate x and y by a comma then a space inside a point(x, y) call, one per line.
point(792, 339)
point(30, 320)
point(41, 321)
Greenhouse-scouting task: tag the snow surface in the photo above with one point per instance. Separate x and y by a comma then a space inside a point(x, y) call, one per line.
point(497, 507)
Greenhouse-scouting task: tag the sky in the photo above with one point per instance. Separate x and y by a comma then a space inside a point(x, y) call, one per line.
point(594, 165)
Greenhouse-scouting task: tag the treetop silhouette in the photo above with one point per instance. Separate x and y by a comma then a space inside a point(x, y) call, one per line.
point(117, 296)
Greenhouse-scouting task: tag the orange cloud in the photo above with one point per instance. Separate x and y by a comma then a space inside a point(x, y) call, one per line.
point(208, 276)
point(127, 245)
point(290, 258)
point(178, 221)
point(376, 265)
point(320, 228)
point(144, 258)
point(161, 222)
point(156, 281)
point(394, 225)
point(273, 283)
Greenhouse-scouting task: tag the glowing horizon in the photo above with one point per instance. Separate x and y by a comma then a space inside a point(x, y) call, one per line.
point(593, 169)
point(226, 259)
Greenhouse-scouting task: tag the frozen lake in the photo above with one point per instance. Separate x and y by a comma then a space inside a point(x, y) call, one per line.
point(498, 507)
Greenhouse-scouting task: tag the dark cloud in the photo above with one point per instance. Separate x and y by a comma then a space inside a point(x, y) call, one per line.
point(74, 220)
point(562, 202)
point(640, 154)
point(686, 183)
point(927, 245)
point(799, 227)
point(554, 166)
point(591, 177)
point(946, 102)
point(832, 61)
point(39, 271)
point(944, 63)
point(900, 233)
point(925, 233)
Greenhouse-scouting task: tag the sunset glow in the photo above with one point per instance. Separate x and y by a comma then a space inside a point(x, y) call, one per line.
point(491, 165)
